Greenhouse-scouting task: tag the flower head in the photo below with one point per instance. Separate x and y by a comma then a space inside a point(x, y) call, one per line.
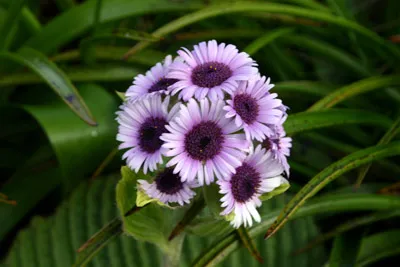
point(278, 144)
point(202, 142)
point(254, 108)
point(154, 82)
point(258, 174)
point(210, 70)
point(141, 124)
point(168, 188)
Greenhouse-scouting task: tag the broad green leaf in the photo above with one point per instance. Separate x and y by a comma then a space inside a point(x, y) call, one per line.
point(238, 7)
point(304, 121)
point(54, 241)
point(152, 223)
point(75, 143)
point(10, 23)
point(265, 39)
point(80, 18)
point(92, 206)
point(27, 187)
point(329, 174)
point(222, 247)
point(379, 246)
point(55, 78)
point(354, 89)
point(345, 249)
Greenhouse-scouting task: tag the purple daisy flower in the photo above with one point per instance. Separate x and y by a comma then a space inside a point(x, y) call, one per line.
point(254, 108)
point(279, 144)
point(258, 174)
point(154, 82)
point(140, 126)
point(202, 142)
point(168, 188)
point(209, 70)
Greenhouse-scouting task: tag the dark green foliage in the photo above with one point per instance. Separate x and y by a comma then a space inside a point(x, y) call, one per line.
point(54, 241)
point(335, 63)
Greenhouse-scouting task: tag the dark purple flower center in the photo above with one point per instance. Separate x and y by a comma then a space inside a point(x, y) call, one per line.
point(150, 132)
point(168, 182)
point(247, 107)
point(270, 143)
point(162, 85)
point(245, 182)
point(204, 141)
point(210, 74)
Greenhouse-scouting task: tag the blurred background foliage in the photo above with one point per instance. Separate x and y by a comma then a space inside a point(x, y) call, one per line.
point(335, 63)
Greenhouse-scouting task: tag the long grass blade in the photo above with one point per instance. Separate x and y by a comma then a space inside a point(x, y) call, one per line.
point(329, 174)
point(265, 39)
point(13, 15)
point(238, 7)
point(389, 135)
point(354, 89)
point(225, 245)
point(55, 78)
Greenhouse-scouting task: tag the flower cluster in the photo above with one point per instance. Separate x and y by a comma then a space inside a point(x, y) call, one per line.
point(211, 116)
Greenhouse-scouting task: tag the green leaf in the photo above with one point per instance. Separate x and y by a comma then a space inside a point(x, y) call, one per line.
point(100, 239)
point(55, 78)
point(65, 4)
point(329, 51)
point(379, 246)
point(351, 224)
point(388, 136)
point(10, 23)
point(212, 198)
point(87, 46)
point(104, 73)
point(152, 223)
point(345, 249)
point(236, 7)
point(27, 187)
point(222, 247)
point(54, 241)
point(249, 244)
point(30, 22)
point(277, 191)
point(329, 174)
point(75, 143)
point(265, 39)
point(80, 18)
point(355, 89)
point(304, 121)
point(194, 210)
point(112, 53)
